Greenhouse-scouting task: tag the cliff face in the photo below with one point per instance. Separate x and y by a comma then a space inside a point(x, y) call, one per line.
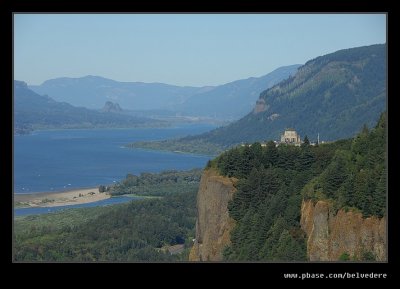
point(213, 225)
point(329, 236)
point(260, 106)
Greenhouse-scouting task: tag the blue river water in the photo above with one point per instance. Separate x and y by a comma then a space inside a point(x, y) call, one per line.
point(59, 160)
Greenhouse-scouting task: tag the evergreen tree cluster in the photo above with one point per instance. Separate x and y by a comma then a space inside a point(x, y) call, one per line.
point(158, 184)
point(273, 181)
point(136, 231)
point(356, 177)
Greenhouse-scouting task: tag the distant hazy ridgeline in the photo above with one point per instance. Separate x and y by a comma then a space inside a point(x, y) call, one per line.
point(33, 111)
point(333, 95)
point(212, 101)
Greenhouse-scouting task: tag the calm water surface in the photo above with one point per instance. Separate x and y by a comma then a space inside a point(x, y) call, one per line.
point(65, 159)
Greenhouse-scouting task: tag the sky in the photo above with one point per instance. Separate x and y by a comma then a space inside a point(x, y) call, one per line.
point(181, 49)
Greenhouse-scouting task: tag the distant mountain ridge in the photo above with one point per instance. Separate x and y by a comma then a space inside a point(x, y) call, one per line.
point(241, 93)
point(211, 101)
point(333, 95)
point(93, 91)
point(33, 111)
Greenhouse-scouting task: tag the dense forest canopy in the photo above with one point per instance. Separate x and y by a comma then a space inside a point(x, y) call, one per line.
point(273, 181)
point(137, 231)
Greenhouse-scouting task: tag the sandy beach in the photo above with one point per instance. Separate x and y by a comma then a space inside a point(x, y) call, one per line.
point(53, 199)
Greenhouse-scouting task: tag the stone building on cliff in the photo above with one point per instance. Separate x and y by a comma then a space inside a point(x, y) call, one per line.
point(290, 136)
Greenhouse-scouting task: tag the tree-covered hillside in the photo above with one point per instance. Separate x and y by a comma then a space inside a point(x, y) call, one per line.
point(144, 230)
point(356, 178)
point(273, 181)
point(158, 184)
point(138, 231)
point(333, 95)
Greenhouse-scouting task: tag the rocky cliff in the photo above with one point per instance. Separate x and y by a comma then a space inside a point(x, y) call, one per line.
point(260, 106)
point(329, 235)
point(213, 225)
point(111, 107)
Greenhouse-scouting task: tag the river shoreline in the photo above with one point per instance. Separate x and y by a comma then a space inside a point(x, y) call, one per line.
point(55, 199)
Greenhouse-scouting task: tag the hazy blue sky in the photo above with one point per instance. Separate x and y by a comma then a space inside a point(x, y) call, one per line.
point(186, 49)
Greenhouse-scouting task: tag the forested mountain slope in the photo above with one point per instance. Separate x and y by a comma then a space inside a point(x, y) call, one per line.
point(276, 185)
point(333, 95)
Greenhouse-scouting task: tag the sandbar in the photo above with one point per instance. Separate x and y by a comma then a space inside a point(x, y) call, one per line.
point(54, 199)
